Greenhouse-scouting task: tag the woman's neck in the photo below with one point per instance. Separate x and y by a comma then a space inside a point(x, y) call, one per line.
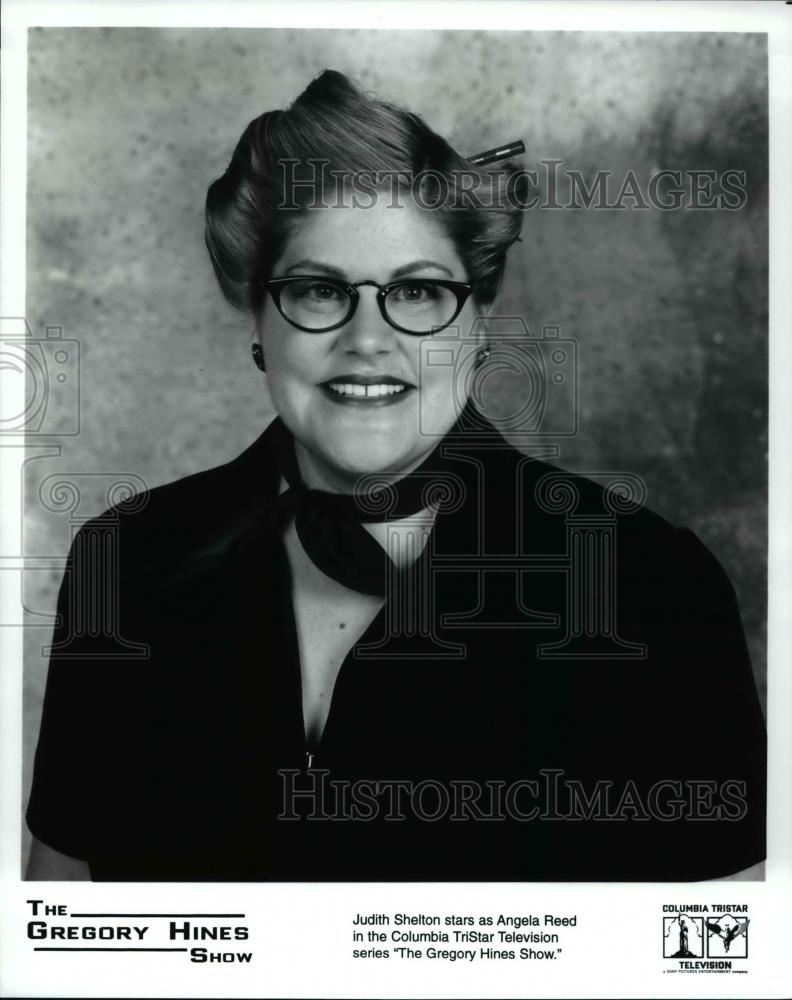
point(317, 475)
point(404, 539)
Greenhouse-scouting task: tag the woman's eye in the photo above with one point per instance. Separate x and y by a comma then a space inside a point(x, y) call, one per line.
point(415, 293)
point(323, 293)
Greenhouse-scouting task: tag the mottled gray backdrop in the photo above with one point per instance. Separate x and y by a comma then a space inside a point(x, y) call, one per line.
point(128, 126)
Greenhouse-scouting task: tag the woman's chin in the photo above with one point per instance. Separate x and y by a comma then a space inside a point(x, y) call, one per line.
point(358, 462)
point(344, 462)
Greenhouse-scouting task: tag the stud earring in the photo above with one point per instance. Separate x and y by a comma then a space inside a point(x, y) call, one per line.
point(482, 356)
point(258, 356)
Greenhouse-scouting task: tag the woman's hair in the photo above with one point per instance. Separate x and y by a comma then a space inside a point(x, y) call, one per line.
point(251, 208)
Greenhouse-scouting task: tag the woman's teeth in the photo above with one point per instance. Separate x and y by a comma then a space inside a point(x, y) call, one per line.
point(347, 389)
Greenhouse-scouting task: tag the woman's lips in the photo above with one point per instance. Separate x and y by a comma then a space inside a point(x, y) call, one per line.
point(366, 390)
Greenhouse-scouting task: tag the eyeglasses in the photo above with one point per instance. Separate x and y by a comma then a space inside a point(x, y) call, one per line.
point(418, 306)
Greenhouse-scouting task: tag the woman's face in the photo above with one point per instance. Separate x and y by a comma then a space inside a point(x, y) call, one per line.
point(341, 435)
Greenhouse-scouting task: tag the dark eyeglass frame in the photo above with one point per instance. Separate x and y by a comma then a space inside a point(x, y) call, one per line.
point(461, 289)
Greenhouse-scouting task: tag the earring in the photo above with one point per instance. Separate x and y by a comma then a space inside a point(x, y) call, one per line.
point(482, 356)
point(258, 356)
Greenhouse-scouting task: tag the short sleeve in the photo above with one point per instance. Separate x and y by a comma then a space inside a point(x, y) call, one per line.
point(675, 737)
point(708, 716)
point(72, 765)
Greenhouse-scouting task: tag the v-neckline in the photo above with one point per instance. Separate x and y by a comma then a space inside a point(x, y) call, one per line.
point(374, 628)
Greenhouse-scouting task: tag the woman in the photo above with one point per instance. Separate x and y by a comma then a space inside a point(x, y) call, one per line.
point(382, 643)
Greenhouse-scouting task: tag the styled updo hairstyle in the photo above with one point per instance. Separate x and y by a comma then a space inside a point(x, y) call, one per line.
point(247, 224)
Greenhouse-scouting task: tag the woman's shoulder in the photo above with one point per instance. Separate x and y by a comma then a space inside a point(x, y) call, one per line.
point(200, 499)
point(541, 506)
point(542, 489)
point(174, 524)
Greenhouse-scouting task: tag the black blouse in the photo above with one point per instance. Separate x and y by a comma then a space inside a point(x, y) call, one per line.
point(559, 690)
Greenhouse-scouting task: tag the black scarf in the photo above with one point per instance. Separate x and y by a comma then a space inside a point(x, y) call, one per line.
point(330, 525)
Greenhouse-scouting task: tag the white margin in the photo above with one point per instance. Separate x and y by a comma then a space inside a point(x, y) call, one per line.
point(776, 20)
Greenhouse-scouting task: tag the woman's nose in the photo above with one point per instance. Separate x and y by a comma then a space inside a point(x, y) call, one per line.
point(368, 333)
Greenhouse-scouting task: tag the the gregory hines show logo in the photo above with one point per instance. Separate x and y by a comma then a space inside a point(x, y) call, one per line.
point(705, 938)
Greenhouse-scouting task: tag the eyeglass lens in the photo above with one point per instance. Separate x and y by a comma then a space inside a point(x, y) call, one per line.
point(413, 305)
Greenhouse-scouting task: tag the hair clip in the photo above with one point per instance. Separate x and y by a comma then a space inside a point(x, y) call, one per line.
point(499, 153)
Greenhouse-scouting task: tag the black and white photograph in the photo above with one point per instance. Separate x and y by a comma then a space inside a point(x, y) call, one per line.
point(391, 479)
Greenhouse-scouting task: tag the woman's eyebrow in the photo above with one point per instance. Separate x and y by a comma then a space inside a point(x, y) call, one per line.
point(420, 265)
point(308, 265)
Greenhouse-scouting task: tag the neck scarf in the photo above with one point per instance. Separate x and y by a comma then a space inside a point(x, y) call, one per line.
point(330, 525)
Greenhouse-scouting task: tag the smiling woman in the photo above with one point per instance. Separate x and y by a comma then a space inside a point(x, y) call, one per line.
point(331, 389)
point(394, 272)
point(381, 613)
